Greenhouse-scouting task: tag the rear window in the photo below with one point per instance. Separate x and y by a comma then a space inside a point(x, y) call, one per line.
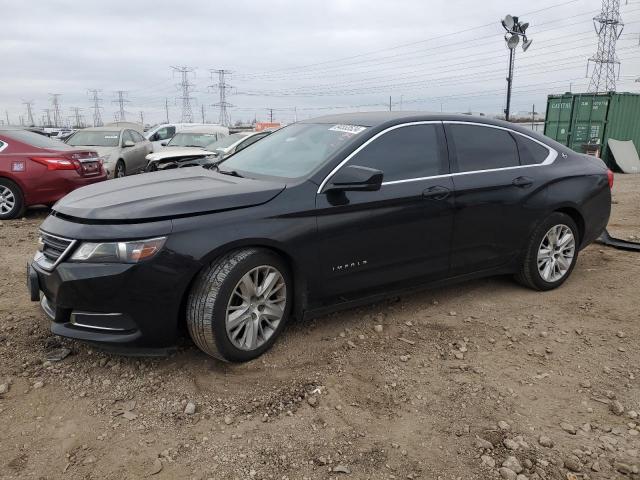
point(35, 140)
point(95, 138)
point(531, 153)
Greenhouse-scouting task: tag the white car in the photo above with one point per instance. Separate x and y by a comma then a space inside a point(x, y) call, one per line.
point(235, 142)
point(190, 149)
point(161, 134)
point(123, 150)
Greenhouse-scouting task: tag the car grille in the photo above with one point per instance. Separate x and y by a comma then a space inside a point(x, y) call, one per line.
point(54, 249)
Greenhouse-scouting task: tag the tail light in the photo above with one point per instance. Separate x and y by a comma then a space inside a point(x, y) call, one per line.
point(57, 163)
point(610, 178)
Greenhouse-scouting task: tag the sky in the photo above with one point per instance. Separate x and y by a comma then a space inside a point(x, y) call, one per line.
point(300, 58)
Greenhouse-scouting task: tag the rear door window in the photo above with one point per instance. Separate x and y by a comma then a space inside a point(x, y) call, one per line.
point(405, 153)
point(531, 153)
point(482, 148)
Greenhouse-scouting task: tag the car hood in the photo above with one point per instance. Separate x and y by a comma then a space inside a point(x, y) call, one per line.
point(161, 195)
point(177, 152)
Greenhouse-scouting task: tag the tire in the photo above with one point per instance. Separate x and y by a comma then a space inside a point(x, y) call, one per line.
point(530, 275)
point(217, 295)
point(11, 200)
point(120, 170)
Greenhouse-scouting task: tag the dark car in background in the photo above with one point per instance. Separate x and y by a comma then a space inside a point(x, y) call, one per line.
point(37, 170)
point(322, 214)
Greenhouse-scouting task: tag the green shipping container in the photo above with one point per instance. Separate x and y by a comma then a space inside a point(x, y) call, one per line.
point(586, 121)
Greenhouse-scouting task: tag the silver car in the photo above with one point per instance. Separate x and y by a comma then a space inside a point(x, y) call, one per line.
point(123, 150)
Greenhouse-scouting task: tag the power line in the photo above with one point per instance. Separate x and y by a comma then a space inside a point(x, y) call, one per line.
point(437, 37)
point(55, 106)
point(77, 117)
point(97, 117)
point(29, 104)
point(121, 100)
point(606, 64)
point(47, 112)
point(185, 86)
point(222, 104)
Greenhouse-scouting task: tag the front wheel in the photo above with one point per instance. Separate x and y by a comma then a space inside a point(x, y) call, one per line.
point(239, 304)
point(551, 253)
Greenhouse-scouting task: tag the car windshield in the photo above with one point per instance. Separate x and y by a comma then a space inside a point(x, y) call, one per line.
point(35, 139)
point(294, 151)
point(226, 141)
point(191, 140)
point(95, 138)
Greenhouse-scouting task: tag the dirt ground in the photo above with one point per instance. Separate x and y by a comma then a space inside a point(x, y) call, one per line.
point(458, 380)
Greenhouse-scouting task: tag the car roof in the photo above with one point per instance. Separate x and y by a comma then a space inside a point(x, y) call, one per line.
point(17, 127)
point(387, 119)
point(104, 129)
point(374, 119)
point(200, 129)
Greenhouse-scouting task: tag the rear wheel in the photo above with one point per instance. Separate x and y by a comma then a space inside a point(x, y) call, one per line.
point(551, 254)
point(121, 170)
point(11, 200)
point(239, 304)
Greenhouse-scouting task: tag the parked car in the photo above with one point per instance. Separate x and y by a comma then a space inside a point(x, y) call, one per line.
point(37, 170)
point(235, 142)
point(190, 147)
point(123, 150)
point(161, 134)
point(322, 214)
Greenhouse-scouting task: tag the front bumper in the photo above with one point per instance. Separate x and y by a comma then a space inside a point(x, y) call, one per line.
point(126, 305)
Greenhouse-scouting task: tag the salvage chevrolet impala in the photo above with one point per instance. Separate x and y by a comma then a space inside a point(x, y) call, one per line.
point(321, 214)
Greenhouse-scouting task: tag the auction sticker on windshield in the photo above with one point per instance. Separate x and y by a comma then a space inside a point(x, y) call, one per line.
point(354, 129)
point(110, 136)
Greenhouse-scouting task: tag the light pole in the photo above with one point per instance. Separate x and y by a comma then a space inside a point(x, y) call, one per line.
point(515, 29)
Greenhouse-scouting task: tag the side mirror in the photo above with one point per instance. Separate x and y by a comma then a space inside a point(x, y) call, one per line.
point(356, 178)
point(164, 144)
point(128, 143)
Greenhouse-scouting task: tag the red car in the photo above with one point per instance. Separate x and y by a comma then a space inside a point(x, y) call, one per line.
point(37, 170)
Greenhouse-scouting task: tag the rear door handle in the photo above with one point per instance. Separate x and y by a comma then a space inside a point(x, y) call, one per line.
point(436, 193)
point(522, 182)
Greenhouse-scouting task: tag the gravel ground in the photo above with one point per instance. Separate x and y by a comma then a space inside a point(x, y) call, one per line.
point(481, 380)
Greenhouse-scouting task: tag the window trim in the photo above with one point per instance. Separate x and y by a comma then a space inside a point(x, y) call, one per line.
point(3, 145)
point(553, 154)
point(551, 157)
point(375, 137)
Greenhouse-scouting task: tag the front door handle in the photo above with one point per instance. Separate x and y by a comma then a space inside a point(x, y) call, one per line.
point(436, 193)
point(522, 182)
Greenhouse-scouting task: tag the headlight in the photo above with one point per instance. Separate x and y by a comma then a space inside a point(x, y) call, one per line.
point(118, 252)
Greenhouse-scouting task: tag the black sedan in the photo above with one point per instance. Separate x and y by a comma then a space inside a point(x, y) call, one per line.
point(322, 214)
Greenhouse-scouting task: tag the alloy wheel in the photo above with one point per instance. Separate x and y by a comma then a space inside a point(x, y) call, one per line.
point(119, 171)
point(555, 253)
point(256, 307)
point(7, 200)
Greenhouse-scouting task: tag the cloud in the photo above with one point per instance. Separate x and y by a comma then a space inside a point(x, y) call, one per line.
point(68, 47)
